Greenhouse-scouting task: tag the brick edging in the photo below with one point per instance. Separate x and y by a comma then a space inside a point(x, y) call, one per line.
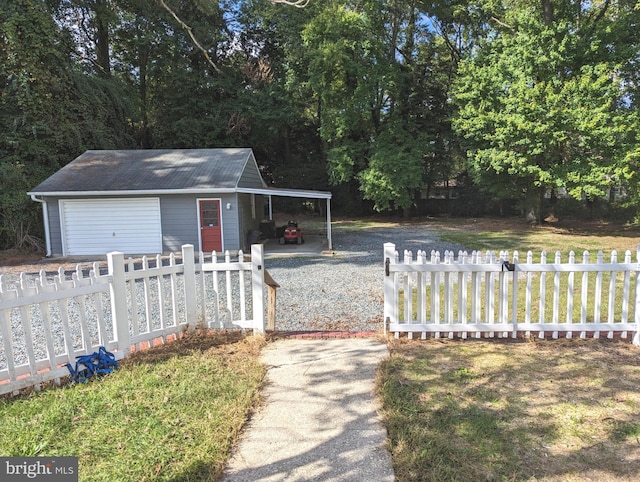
point(323, 334)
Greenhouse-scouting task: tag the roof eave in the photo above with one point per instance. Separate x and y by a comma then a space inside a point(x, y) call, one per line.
point(137, 192)
point(299, 193)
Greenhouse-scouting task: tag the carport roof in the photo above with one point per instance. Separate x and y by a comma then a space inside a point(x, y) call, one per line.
point(274, 191)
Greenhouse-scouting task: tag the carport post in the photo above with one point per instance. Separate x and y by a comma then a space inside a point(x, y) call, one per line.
point(330, 243)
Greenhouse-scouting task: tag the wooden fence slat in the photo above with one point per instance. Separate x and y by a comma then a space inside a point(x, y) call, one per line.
point(597, 299)
point(94, 275)
point(161, 300)
point(216, 290)
point(584, 301)
point(612, 294)
point(422, 290)
point(63, 285)
point(25, 320)
point(435, 292)
point(133, 298)
point(43, 286)
point(5, 330)
point(227, 259)
point(555, 317)
point(448, 298)
point(636, 311)
point(462, 293)
point(78, 281)
point(514, 301)
point(475, 290)
point(570, 293)
point(147, 292)
point(626, 290)
point(173, 289)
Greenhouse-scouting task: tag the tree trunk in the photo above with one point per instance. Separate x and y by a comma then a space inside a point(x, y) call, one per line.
point(145, 131)
point(103, 57)
point(547, 12)
point(541, 191)
point(286, 140)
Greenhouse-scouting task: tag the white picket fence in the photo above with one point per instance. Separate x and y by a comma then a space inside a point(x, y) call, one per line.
point(476, 295)
point(46, 323)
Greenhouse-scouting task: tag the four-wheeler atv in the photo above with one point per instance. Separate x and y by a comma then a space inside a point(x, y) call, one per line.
point(292, 234)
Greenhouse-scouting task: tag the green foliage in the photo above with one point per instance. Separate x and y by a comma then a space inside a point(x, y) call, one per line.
point(378, 99)
point(395, 168)
point(50, 112)
point(542, 111)
point(382, 88)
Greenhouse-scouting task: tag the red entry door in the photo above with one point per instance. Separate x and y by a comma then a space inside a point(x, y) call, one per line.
point(210, 230)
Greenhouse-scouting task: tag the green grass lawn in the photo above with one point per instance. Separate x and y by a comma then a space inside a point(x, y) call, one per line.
point(515, 234)
point(480, 410)
point(169, 413)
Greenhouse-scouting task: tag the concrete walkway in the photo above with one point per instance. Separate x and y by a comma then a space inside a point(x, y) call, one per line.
point(320, 420)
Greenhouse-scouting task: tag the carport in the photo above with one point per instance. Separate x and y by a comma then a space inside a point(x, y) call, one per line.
point(297, 193)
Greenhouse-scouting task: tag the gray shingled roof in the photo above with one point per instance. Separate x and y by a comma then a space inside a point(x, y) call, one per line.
point(149, 170)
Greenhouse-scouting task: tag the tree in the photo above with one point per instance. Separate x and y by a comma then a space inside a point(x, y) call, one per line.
point(50, 111)
point(380, 76)
point(542, 104)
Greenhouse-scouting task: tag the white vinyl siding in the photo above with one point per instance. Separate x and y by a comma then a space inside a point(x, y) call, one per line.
point(98, 226)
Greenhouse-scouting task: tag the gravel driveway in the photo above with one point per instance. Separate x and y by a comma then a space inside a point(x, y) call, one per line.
point(344, 291)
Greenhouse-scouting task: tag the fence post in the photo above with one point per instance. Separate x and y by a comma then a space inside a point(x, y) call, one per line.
point(389, 295)
point(257, 287)
point(190, 300)
point(119, 310)
point(272, 288)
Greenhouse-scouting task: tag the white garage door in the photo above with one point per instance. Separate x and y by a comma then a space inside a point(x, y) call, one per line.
point(99, 226)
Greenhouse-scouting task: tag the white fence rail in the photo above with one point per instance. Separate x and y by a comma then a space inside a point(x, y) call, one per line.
point(484, 294)
point(46, 323)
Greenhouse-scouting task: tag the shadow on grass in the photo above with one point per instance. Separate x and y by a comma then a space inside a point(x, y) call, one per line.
point(497, 410)
point(199, 471)
point(186, 346)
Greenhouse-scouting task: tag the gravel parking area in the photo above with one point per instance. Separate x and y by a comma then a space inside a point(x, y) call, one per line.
point(344, 291)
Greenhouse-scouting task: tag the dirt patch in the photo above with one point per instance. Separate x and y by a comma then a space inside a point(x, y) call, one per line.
point(567, 226)
point(12, 257)
point(227, 342)
point(16, 262)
